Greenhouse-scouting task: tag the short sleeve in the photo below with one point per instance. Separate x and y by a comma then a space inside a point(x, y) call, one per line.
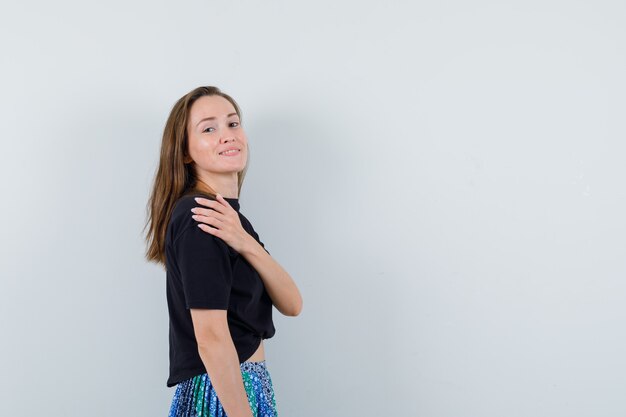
point(205, 269)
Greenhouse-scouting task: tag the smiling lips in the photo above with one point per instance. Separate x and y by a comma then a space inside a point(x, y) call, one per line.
point(230, 152)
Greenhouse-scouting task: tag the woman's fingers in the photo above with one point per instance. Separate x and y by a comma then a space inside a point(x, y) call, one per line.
point(211, 204)
point(211, 220)
point(207, 212)
point(219, 209)
point(208, 229)
point(219, 218)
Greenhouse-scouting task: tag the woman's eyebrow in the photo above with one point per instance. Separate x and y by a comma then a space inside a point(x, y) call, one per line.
point(213, 118)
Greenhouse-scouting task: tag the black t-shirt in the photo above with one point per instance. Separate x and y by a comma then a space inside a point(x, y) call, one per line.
point(204, 272)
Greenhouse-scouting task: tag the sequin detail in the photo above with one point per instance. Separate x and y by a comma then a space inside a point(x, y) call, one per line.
point(196, 397)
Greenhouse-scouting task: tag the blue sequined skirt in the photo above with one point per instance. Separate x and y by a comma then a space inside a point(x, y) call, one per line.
point(196, 397)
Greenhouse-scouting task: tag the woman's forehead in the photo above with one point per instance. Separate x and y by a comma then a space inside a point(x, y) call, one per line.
point(212, 106)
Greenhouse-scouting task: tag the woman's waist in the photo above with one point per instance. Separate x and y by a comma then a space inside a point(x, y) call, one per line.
point(258, 355)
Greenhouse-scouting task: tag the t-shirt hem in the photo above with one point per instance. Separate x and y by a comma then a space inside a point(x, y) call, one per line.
point(206, 304)
point(252, 350)
point(175, 380)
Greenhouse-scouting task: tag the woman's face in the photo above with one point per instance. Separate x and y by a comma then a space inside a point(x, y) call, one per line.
point(213, 127)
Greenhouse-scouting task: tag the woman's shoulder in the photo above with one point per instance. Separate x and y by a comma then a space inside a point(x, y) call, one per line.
point(182, 205)
point(181, 219)
point(186, 202)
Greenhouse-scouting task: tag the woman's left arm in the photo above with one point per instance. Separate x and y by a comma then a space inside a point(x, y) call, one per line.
point(278, 283)
point(225, 224)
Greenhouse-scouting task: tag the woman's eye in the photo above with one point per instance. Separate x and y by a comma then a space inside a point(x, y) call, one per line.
point(207, 128)
point(235, 123)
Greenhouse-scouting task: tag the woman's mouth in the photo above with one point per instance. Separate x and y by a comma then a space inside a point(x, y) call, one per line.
point(231, 152)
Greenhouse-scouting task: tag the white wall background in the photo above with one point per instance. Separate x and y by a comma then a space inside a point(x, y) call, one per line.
point(443, 180)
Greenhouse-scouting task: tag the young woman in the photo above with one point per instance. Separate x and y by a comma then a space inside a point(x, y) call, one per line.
point(221, 281)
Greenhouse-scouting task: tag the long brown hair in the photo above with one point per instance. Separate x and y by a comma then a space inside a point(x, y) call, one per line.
point(174, 178)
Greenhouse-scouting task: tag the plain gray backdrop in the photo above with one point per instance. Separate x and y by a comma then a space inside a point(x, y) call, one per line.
point(443, 180)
